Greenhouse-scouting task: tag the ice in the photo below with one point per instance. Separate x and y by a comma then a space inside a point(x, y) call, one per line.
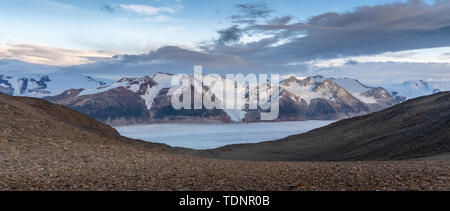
point(209, 136)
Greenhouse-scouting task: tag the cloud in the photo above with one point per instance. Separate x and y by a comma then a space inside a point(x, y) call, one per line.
point(280, 20)
point(250, 12)
point(56, 4)
point(107, 8)
point(370, 42)
point(172, 54)
point(148, 10)
point(429, 55)
point(363, 31)
point(351, 62)
point(232, 34)
point(51, 56)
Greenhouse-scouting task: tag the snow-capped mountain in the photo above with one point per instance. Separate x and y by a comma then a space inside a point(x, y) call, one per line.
point(368, 95)
point(33, 80)
point(321, 98)
point(41, 85)
point(148, 100)
point(134, 101)
point(417, 88)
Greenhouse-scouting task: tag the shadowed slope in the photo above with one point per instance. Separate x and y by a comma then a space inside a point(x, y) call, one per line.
point(416, 128)
point(32, 119)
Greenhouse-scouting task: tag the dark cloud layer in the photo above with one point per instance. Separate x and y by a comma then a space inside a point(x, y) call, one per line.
point(244, 14)
point(172, 54)
point(249, 13)
point(365, 30)
point(232, 34)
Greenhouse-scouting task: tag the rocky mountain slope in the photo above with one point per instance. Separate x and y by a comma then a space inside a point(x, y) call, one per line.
point(414, 129)
point(44, 146)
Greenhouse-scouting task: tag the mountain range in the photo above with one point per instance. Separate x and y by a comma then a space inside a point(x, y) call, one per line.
point(148, 100)
point(142, 100)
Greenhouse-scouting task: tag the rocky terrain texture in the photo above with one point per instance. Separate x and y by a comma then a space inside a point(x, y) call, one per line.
point(44, 146)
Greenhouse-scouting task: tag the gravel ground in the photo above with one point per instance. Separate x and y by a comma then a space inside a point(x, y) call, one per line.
point(65, 165)
point(48, 147)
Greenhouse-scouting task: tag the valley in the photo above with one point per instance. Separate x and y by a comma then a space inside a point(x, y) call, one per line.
point(45, 146)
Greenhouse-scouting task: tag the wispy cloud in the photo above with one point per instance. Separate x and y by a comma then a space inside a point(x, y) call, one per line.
point(56, 4)
point(423, 56)
point(149, 10)
point(38, 54)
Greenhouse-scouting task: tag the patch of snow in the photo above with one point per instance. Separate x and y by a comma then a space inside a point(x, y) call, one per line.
point(97, 90)
point(304, 92)
point(365, 99)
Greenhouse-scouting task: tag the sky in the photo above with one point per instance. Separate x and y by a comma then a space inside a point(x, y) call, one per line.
point(134, 26)
point(290, 36)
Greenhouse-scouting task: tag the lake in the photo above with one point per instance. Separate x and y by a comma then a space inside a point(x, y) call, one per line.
point(211, 135)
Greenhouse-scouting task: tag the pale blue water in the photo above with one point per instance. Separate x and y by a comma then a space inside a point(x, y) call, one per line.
point(209, 136)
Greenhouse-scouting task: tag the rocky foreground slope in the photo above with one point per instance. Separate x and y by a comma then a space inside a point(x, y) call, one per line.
point(414, 129)
point(44, 146)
